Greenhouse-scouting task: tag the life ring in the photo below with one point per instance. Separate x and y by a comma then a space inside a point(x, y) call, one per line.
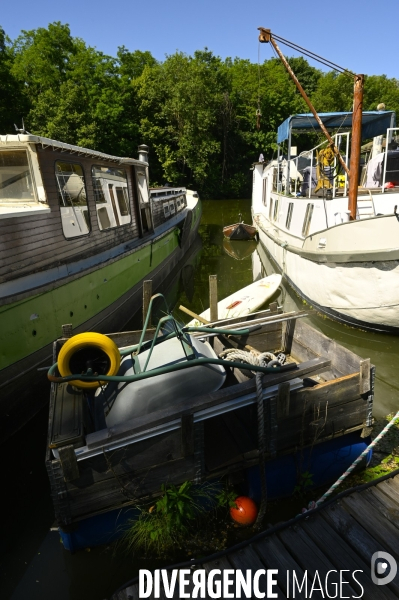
point(89, 350)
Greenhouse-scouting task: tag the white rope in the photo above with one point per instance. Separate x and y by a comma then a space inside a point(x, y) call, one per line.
point(251, 358)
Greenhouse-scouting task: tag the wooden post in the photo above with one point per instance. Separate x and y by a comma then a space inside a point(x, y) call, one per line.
point(147, 293)
point(356, 144)
point(213, 297)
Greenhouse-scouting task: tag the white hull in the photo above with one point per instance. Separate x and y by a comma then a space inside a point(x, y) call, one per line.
point(349, 271)
point(366, 293)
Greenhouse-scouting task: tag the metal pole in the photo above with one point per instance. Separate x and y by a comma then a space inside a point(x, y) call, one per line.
point(266, 36)
point(354, 165)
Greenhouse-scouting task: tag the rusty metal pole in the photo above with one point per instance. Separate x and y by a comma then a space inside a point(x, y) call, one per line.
point(356, 144)
point(265, 36)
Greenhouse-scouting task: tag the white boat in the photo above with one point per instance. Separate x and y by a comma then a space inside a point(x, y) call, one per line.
point(244, 301)
point(342, 260)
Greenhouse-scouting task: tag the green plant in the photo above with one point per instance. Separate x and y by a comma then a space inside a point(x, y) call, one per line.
point(305, 482)
point(226, 498)
point(166, 524)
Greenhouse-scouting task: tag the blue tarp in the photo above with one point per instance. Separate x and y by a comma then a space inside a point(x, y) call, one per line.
point(374, 123)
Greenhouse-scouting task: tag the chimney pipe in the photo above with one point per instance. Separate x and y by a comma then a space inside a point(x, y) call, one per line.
point(143, 153)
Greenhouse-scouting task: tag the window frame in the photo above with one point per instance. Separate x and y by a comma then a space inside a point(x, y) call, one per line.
point(288, 220)
point(275, 211)
point(307, 219)
point(113, 197)
point(60, 195)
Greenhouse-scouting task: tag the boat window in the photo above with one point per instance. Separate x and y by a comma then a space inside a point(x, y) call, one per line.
point(111, 196)
point(275, 213)
point(264, 198)
point(289, 215)
point(73, 199)
point(166, 210)
point(271, 208)
point(172, 208)
point(121, 194)
point(307, 219)
point(143, 189)
point(15, 177)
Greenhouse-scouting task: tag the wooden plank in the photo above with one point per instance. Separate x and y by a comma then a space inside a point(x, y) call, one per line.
point(197, 403)
point(364, 376)
point(127, 489)
point(187, 435)
point(247, 559)
point(283, 400)
point(130, 459)
point(342, 555)
point(384, 505)
point(304, 430)
point(221, 563)
point(309, 557)
point(382, 530)
point(69, 463)
point(356, 535)
point(213, 297)
point(275, 556)
point(388, 489)
point(307, 339)
point(392, 483)
point(217, 454)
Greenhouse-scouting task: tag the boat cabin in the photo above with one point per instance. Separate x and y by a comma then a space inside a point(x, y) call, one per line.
point(66, 202)
point(308, 192)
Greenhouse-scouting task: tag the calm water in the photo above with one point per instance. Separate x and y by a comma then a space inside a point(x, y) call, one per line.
point(34, 564)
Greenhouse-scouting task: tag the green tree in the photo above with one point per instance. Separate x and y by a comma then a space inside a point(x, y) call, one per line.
point(13, 105)
point(379, 89)
point(180, 106)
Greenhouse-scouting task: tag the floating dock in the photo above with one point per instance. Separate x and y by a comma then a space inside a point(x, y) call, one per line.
point(339, 538)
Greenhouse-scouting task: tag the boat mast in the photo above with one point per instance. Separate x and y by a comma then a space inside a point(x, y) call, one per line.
point(265, 36)
point(356, 144)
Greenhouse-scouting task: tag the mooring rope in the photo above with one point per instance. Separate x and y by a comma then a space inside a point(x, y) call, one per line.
point(262, 452)
point(260, 359)
point(251, 358)
point(313, 504)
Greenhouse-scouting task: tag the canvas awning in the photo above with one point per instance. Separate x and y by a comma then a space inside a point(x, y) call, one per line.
point(374, 123)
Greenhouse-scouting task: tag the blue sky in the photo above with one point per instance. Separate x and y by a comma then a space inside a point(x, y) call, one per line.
point(361, 36)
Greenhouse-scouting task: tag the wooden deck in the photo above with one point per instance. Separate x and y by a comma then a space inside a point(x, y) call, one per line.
point(342, 535)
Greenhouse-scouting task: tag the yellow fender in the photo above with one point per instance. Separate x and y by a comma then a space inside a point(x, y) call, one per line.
point(85, 341)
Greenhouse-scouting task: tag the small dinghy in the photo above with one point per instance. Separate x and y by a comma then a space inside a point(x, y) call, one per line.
point(245, 301)
point(240, 231)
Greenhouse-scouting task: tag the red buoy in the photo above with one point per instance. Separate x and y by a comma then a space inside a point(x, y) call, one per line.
point(246, 511)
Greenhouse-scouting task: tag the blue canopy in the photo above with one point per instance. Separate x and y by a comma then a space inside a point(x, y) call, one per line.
point(374, 123)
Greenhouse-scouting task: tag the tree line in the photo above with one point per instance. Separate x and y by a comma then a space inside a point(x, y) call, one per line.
point(198, 114)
